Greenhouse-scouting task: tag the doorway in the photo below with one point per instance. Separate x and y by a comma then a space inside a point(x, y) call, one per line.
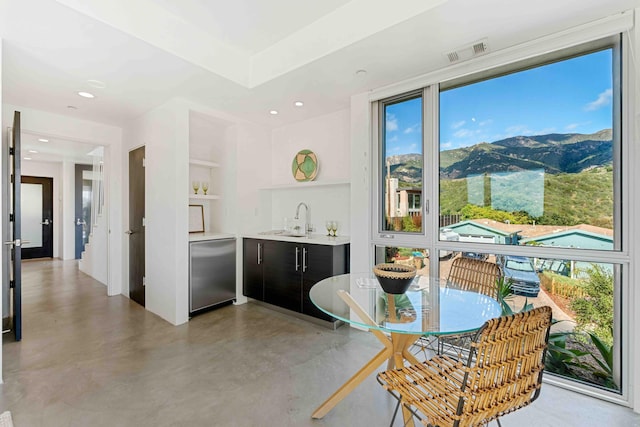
point(136, 225)
point(83, 197)
point(36, 198)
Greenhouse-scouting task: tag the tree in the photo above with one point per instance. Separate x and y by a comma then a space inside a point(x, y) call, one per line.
point(594, 311)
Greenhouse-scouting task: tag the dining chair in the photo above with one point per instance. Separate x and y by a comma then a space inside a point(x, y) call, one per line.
point(476, 275)
point(467, 274)
point(503, 373)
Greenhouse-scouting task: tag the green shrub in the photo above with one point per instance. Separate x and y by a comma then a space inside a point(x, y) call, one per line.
point(594, 311)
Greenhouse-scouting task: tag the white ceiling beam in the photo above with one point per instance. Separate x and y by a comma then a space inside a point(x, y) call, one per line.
point(147, 21)
point(346, 25)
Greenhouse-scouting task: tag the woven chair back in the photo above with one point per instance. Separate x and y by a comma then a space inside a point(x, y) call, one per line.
point(474, 275)
point(505, 366)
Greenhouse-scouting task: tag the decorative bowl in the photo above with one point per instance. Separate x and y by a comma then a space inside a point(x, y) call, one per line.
point(395, 278)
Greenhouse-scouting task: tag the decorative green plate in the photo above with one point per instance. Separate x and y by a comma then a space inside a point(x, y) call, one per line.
point(305, 166)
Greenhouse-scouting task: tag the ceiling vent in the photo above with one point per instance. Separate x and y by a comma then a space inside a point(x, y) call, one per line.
point(469, 51)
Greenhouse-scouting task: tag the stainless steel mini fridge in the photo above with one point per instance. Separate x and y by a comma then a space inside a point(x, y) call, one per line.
point(212, 273)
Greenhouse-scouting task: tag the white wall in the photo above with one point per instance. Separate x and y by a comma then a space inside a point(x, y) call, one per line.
point(328, 136)
point(164, 133)
point(51, 170)
point(68, 210)
point(68, 128)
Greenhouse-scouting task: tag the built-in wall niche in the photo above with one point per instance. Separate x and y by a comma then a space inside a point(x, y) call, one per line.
point(210, 153)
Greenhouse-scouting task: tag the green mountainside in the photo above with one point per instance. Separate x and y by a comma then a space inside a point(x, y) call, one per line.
point(578, 177)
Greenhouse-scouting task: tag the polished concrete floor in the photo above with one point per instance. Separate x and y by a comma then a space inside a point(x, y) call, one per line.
point(91, 360)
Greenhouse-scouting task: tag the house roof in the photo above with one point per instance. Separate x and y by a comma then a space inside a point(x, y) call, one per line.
point(530, 231)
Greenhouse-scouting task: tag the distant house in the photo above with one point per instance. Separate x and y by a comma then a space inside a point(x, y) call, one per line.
point(476, 231)
point(574, 238)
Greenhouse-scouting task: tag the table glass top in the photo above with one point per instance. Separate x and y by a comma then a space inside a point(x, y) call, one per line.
point(427, 308)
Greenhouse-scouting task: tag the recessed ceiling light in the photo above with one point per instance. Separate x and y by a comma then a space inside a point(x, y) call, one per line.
point(27, 158)
point(43, 140)
point(33, 151)
point(86, 95)
point(96, 83)
point(298, 103)
point(273, 112)
point(361, 72)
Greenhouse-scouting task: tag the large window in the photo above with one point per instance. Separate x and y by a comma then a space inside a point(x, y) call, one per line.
point(524, 164)
point(531, 154)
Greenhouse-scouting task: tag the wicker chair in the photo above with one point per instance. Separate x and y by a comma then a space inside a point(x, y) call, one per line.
point(475, 275)
point(467, 274)
point(502, 374)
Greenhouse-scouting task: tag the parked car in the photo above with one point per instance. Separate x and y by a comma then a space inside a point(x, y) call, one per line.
point(476, 255)
point(520, 270)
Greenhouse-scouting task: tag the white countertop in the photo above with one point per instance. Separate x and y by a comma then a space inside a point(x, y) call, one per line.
point(314, 239)
point(198, 237)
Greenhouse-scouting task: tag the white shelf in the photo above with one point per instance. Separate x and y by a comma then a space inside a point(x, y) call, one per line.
point(306, 184)
point(204, 197)
point(203, 163)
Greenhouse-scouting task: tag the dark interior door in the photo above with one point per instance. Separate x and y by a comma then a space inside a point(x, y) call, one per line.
point(36, 202)
point(83, 196)
point(136, 225)
point(15, 274)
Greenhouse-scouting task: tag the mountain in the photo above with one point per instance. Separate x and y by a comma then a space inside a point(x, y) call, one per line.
point(555, 153)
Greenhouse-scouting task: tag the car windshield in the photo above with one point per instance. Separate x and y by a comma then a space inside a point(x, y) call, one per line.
point(518, 265)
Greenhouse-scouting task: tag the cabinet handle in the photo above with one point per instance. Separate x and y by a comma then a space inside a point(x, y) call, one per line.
point(304, 259)
point(297, 258)
point(259, 253)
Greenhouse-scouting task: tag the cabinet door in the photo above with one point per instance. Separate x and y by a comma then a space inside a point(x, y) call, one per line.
point(282, 275)
point(320, 262)
point(252, 281)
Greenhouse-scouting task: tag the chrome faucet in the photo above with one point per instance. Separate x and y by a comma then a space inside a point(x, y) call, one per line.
point(308, 226)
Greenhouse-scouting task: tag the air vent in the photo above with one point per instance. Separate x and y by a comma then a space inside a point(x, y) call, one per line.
point(469, 51)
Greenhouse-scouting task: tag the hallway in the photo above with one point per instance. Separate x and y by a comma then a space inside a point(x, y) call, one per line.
point(91, 360)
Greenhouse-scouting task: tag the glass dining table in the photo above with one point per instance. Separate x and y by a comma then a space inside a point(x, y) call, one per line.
point(428, 308)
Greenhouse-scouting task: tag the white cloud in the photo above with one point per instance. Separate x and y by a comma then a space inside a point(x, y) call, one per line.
point(392, 139)
point(462, 133)
point(485, 122)
point(603, 100)
point(572, 126)
point(392, 123)
point(413, 146)
point(457, 125)
point(414, 128)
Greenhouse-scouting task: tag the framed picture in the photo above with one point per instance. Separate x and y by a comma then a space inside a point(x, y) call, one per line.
point(196, 219)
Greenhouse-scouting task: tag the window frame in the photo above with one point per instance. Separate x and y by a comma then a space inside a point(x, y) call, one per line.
point(620, 256)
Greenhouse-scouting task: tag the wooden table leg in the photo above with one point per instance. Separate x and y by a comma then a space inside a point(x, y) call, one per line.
point(395, 351)
point(352, 383)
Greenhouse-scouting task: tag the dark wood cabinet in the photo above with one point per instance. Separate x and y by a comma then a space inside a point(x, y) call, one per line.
point(282, 273)
point(252, 283)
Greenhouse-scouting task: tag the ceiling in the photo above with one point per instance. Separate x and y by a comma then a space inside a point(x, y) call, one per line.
point(248, 57)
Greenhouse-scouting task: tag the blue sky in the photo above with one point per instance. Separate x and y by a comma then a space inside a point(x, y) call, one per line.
point(572, 96)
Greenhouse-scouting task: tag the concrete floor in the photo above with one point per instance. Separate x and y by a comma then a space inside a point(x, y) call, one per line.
point(91, 360)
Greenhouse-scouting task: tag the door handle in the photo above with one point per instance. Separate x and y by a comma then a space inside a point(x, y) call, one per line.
point(129, 232)
point(259, 253)
point(304, 259)
point(46, 222)
point(17, 242)
point(297, 256)
point(80, 222)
